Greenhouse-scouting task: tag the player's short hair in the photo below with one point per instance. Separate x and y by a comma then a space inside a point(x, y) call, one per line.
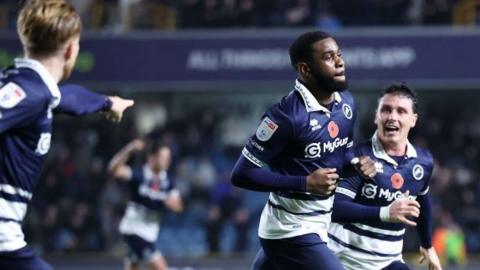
point(401, 89)
point(154, 146)
point(301, 49)
point(44, 26)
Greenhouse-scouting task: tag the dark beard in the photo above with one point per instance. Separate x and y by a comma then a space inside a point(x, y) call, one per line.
point(329, 84)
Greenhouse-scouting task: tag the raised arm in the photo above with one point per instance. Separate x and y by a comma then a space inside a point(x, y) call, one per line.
point(118, 167)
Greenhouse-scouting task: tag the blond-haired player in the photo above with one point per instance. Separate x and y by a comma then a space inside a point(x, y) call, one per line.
point(29, 95)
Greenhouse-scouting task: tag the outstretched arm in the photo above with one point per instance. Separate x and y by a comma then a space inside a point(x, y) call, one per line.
point(77, 100)
point(117, 166)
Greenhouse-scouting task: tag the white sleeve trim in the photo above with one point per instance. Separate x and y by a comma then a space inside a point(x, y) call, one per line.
point(346, 192)
point(422, 193)
point(385, 213)
point(252, 158)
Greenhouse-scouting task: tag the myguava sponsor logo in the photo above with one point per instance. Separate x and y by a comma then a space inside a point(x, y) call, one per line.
point(315, 150)
point(372, 191)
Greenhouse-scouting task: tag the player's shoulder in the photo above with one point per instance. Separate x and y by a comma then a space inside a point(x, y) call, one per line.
point(290, 103)
point(346, 97)
point(17, 86)
point(424, 154)
point(363, 148)
point(284, 110)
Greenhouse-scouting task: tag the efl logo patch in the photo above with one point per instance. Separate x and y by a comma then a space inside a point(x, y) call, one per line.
point(397, 181)
point(417, 172)
point(347, 111)
point(10, 95)
point(266, 129)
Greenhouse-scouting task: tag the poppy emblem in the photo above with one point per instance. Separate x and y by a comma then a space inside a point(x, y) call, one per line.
point(333, 129)
point(397, 180)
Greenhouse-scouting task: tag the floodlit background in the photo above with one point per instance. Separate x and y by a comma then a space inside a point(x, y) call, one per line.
point(202, 72)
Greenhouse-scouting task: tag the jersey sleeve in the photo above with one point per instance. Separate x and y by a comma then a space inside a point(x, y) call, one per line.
point(350, 154)
point(136, 178)
point(18, 107)
point(77, 100)
point(345, 208)
point(350, 182)
point(429, 164)
point(272, 135)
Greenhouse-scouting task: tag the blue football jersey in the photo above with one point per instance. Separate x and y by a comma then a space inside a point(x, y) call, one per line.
point(28, 97)
point(295, 137)
point(376, 242)
point(147, 196)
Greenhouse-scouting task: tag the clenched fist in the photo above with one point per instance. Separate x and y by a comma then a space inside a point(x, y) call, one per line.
point(322, 181)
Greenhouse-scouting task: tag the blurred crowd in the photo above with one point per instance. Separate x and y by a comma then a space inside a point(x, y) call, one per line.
point(125, 15)
point(77, 206)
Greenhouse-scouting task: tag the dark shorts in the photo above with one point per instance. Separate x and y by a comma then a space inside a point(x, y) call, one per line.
point(139, 250)
point(305, 252)
point(397, 265)
point(261, 262)
point(22, 259)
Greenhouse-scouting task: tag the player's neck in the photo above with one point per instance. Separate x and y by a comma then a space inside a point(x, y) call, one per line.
point(323, 97)
point(156, 171)
point(396, 149)
point(54, 65)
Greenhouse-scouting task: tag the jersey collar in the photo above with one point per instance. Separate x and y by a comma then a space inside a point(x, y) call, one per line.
point(44, 74)
point(311, 103)
point(379, 151)
point(149, 174)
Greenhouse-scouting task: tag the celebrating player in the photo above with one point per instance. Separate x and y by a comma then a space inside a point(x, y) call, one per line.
point(296, 154)
point(151, 191)
point(372, 213)
point(29, 93)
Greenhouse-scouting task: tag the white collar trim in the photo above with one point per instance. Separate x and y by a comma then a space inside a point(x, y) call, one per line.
point(44, 74)
point(149, 174)
point(311, 103)
point(379, 151)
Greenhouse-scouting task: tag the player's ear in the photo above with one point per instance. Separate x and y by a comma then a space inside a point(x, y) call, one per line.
point(68, 51)
point(414, 119)
point(375, 119)
point(303, 69)
point(71, 48)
